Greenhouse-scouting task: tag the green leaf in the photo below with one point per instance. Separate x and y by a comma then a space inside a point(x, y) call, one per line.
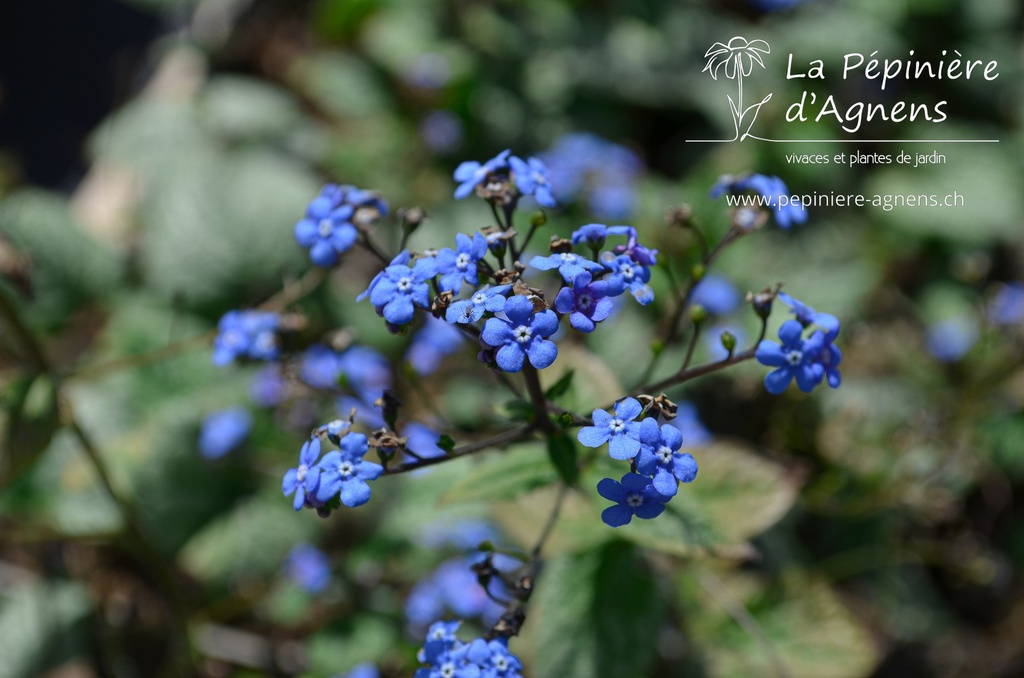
point(30, 425)
point(41, 627)
point(563, 454)
point(560, 387)
point(596, 615)
point(504, 476)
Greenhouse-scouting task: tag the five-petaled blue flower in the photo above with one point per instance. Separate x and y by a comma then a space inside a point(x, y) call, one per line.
point(458, 265)
point(345, 472)
point(620, 431)
point(326, 230)
point(594, 234)
point(246, 334)
point(808, 316)
point(305, 479)
point(772, 189)
point(401, 288)
point(585, 302)
point(470, 310)
point(522, 335)
point(634, 495)
point(223, 431)
point(494, 659)
point(797, 358)
point(625, 273)
point(532, 179)
point(471, 174)
point(660, 457)
point(308, 567)
point(568, 264)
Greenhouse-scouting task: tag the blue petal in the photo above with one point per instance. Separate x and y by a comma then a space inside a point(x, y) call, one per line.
point(769, 353)
point(778, 380)
point(354, 493)
point(581, 322)
point(665, 483)
point(544, 323)
point(650, 509)
point(611, 490)
point(628, 408)
point(592, 436)
point(495, 333)
point(685, 468)
point(510, 358)
point(322, 254)
point(542, 353)
point(790, 332)
point(519, 309)
point(546, 263)
point(306, 233)
point(621, 447)
point(564, 301)
point(617, 516)
point(399, 310)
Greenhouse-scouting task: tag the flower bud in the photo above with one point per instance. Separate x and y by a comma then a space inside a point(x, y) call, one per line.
point(728, 340)
point(698, 314)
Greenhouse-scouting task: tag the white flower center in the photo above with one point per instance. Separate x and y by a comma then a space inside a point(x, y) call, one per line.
point(265, 341)
point(627, 271)
point(326, 228)
point(522, 334)
point(794, 357)
point(616, 426)
point(346, 469)
point(568, 257)
point(300, 473)
point(448, 670)
point(635, 500)
point(584, 301)
point(664, 455)
point(500, 663)
point(479, 298)
point(405, 284)
point(462, 261)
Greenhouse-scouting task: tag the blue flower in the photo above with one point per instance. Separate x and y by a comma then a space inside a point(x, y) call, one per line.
point(436, 340)
point(308, 568)
point(716, 294)
point(401, 258)
point(569, 265)
point(1007, 306)
point(797, 358)
point(605, 174)
point(458, 265)
point(532, 179)
point(451, 587)
point(808, 316)
point(951, 339)
point(585, 302)
point(494, 659)
point(470, 174)
point(367, 206)
point(327, 231)
point(401, 288)
point(637, 252)
point(690, 425)
point(422, 440)
point(487, 299)
point(268, 387)
point(346, 473)
point(522, 335)
point(620, 431)
point(223, 431)
point(660, 457)
point(634, 495)
point(305, 479)
point(246, 334)
point(625, 273)
point(320, 367)
point(771, 188)
point(594, 234)
point(366, 371)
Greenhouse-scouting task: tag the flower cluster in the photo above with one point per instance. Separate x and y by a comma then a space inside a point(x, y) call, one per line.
point(605, 174)
point(330, 226)
point(654, 455)
point(246, 334)
point(504, 179)
point(448, 657)
point(808, 360)
point(340, 475)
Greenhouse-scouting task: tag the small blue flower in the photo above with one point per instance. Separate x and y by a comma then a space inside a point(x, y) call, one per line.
point(346, 473)
point(452, 587)
point(246, 334)
point(458, 265)
point(522, 335)
point(401, 258)
point(395, 295)
point(305, 479)
point(660, 457)
point(625, 273)
point(771, 188)
point(532, 179)
point(308, 567)
point(569, 265)
point(431, 344)
point(603, 173)
point(223, 431)
point(366, 371)
point(470, 174)
point(327, 231)
point(797, 358)
point(585, 302)
point(716, 294)
point(1007, 306)
point(949, 340)
point(486, 299)
point(320, 367)
point(594, 235)
point(637, 252)
point(494, 659)
point(367, 206)
point(620, 431)
point(634, 495)
point(808, 316)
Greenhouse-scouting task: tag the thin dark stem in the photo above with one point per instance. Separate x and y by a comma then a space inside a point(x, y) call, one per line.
point(689, 349)
point(537, 398)
point(549, 527)
point(685, 375)
point(526, 240)
point(500, 440)
point(373, 249)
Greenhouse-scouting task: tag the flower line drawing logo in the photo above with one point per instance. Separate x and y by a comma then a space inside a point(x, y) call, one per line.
point(736, 60)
